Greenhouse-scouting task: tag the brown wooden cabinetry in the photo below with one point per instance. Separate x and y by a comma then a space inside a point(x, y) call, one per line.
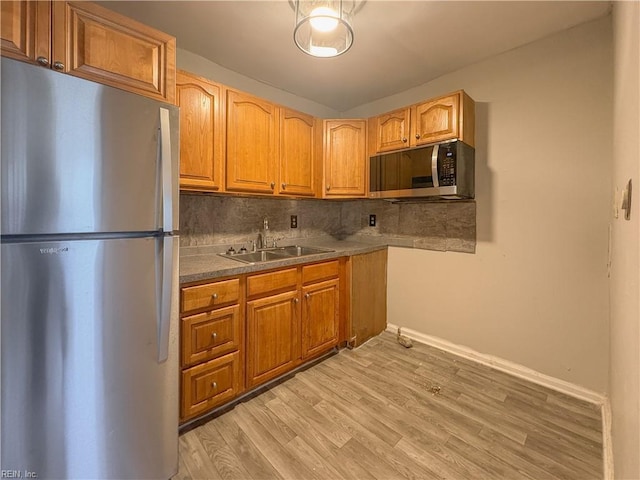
point(211, 345)
point(444, 118)
point(320, 308)
point(252, 144)
point(89, 41)
point(368, 295)
point(298, 152)
point(273, 325)
point(390, 131)
point(345, 158)
point(201, 133)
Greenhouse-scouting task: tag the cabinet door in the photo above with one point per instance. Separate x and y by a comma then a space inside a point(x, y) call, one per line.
point(320, 317)
point(201, 139)
point(273, 332)
point(297, 147)
point(437, 120)
point(391, 130)
point(100, 45)
point(25, 30)
point(251, 144)
point(344, 158)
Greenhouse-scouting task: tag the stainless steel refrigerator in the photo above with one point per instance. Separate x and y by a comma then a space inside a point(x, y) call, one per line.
point(89, 258)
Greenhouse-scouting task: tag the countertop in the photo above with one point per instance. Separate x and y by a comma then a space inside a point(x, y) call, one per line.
point(203, 263)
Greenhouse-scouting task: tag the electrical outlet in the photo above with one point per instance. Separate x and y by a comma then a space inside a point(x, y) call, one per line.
point(372, 220)
point(294, 221)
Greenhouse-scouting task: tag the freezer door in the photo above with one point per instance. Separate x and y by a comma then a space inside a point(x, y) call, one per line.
point(83, 392)
point(80, 157)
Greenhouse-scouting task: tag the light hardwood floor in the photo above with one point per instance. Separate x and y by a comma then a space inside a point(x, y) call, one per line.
point(376, 413)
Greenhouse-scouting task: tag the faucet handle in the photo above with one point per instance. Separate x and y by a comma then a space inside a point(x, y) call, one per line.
point(274, 241)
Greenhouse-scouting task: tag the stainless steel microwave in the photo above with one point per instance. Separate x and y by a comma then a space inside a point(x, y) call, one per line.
point(444, 171)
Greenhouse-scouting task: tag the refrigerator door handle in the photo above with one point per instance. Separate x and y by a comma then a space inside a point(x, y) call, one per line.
point(166, 164)
point(166, 300)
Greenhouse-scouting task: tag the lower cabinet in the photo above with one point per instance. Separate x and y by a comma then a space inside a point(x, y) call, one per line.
point(241, 332)
point(273, 345)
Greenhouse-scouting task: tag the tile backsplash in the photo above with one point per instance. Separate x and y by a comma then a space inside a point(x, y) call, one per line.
point(230, 220)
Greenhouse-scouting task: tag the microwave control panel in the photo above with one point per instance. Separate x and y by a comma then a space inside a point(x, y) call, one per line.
point(447, 169)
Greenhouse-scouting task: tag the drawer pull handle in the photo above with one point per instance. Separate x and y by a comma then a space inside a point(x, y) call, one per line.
point(214, 335)
point(214, 385)
point(214, 296)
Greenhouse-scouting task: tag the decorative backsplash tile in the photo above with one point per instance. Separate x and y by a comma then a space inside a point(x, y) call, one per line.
point(232, 220)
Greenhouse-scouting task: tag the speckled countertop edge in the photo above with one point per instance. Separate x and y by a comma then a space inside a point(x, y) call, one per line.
point(204, 263)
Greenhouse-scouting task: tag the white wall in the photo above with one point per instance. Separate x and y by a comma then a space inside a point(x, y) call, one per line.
point(205, 68)
point(536, 291)
point(625, 265)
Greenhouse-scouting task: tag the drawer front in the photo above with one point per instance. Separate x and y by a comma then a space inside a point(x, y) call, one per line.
point(210, 295)
point(208, 335)
point(210, 384)
point(272, 282)
point(320, 271)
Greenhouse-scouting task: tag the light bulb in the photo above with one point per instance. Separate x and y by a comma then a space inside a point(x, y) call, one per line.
point(324, 19)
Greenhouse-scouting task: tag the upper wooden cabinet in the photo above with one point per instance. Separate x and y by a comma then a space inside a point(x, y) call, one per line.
point(252, 144)
point(345, 158)
point(390, 131)
point(201, 133)
point(298, 152)
point(89, 41)
point(25, 30)
point(445, 118)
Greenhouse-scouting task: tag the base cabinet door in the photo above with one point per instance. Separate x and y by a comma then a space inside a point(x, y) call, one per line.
point(210, 384)
point(320, 317)
point(273, 332)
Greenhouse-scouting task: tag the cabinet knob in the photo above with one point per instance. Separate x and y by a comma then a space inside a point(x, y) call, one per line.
point(214, 385)
point(294, 300)
point(214, 335)
point(307, 296)
point(328, 187)
point(404, 139)
point(214, 296)
point(284, 186)
point(43, 61)
point(58, 65)
point(417, 136)
point(273, 185)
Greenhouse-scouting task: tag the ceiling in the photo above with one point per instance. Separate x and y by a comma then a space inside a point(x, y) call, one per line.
point(397, 44)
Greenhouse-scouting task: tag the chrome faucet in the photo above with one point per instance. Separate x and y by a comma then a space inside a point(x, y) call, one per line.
point(262, 237)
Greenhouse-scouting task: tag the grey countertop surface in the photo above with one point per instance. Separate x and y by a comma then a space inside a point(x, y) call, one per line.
point(204, 263)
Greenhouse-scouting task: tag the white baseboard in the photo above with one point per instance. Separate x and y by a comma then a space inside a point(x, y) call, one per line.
point(504, 366)
point(533, 376)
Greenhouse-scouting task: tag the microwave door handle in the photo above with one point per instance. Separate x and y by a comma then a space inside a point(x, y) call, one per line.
point(434, 166)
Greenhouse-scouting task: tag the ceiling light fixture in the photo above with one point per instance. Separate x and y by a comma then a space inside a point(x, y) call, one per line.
point(323, 27)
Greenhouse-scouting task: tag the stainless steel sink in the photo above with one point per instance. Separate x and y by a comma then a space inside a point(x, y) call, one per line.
point(279, 253)
point(299, 251)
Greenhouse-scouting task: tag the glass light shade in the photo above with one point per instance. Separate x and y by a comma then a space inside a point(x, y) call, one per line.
point(323, 27)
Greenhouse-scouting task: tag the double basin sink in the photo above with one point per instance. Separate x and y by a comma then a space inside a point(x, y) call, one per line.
point(276, 253)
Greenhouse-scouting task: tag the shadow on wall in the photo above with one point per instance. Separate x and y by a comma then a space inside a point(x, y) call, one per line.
point(484, 175)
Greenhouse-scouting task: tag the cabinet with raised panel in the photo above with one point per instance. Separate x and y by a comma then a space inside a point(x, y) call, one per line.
point(91, 42)
point(299, 145)
point(201, 133)
point(273, 325)
point(211, 345)
point(252, 144)
point(449, 117)
point(320, 308)
point(345, 158)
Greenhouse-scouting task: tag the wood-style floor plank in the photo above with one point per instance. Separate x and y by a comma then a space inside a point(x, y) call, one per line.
point(386, 412)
